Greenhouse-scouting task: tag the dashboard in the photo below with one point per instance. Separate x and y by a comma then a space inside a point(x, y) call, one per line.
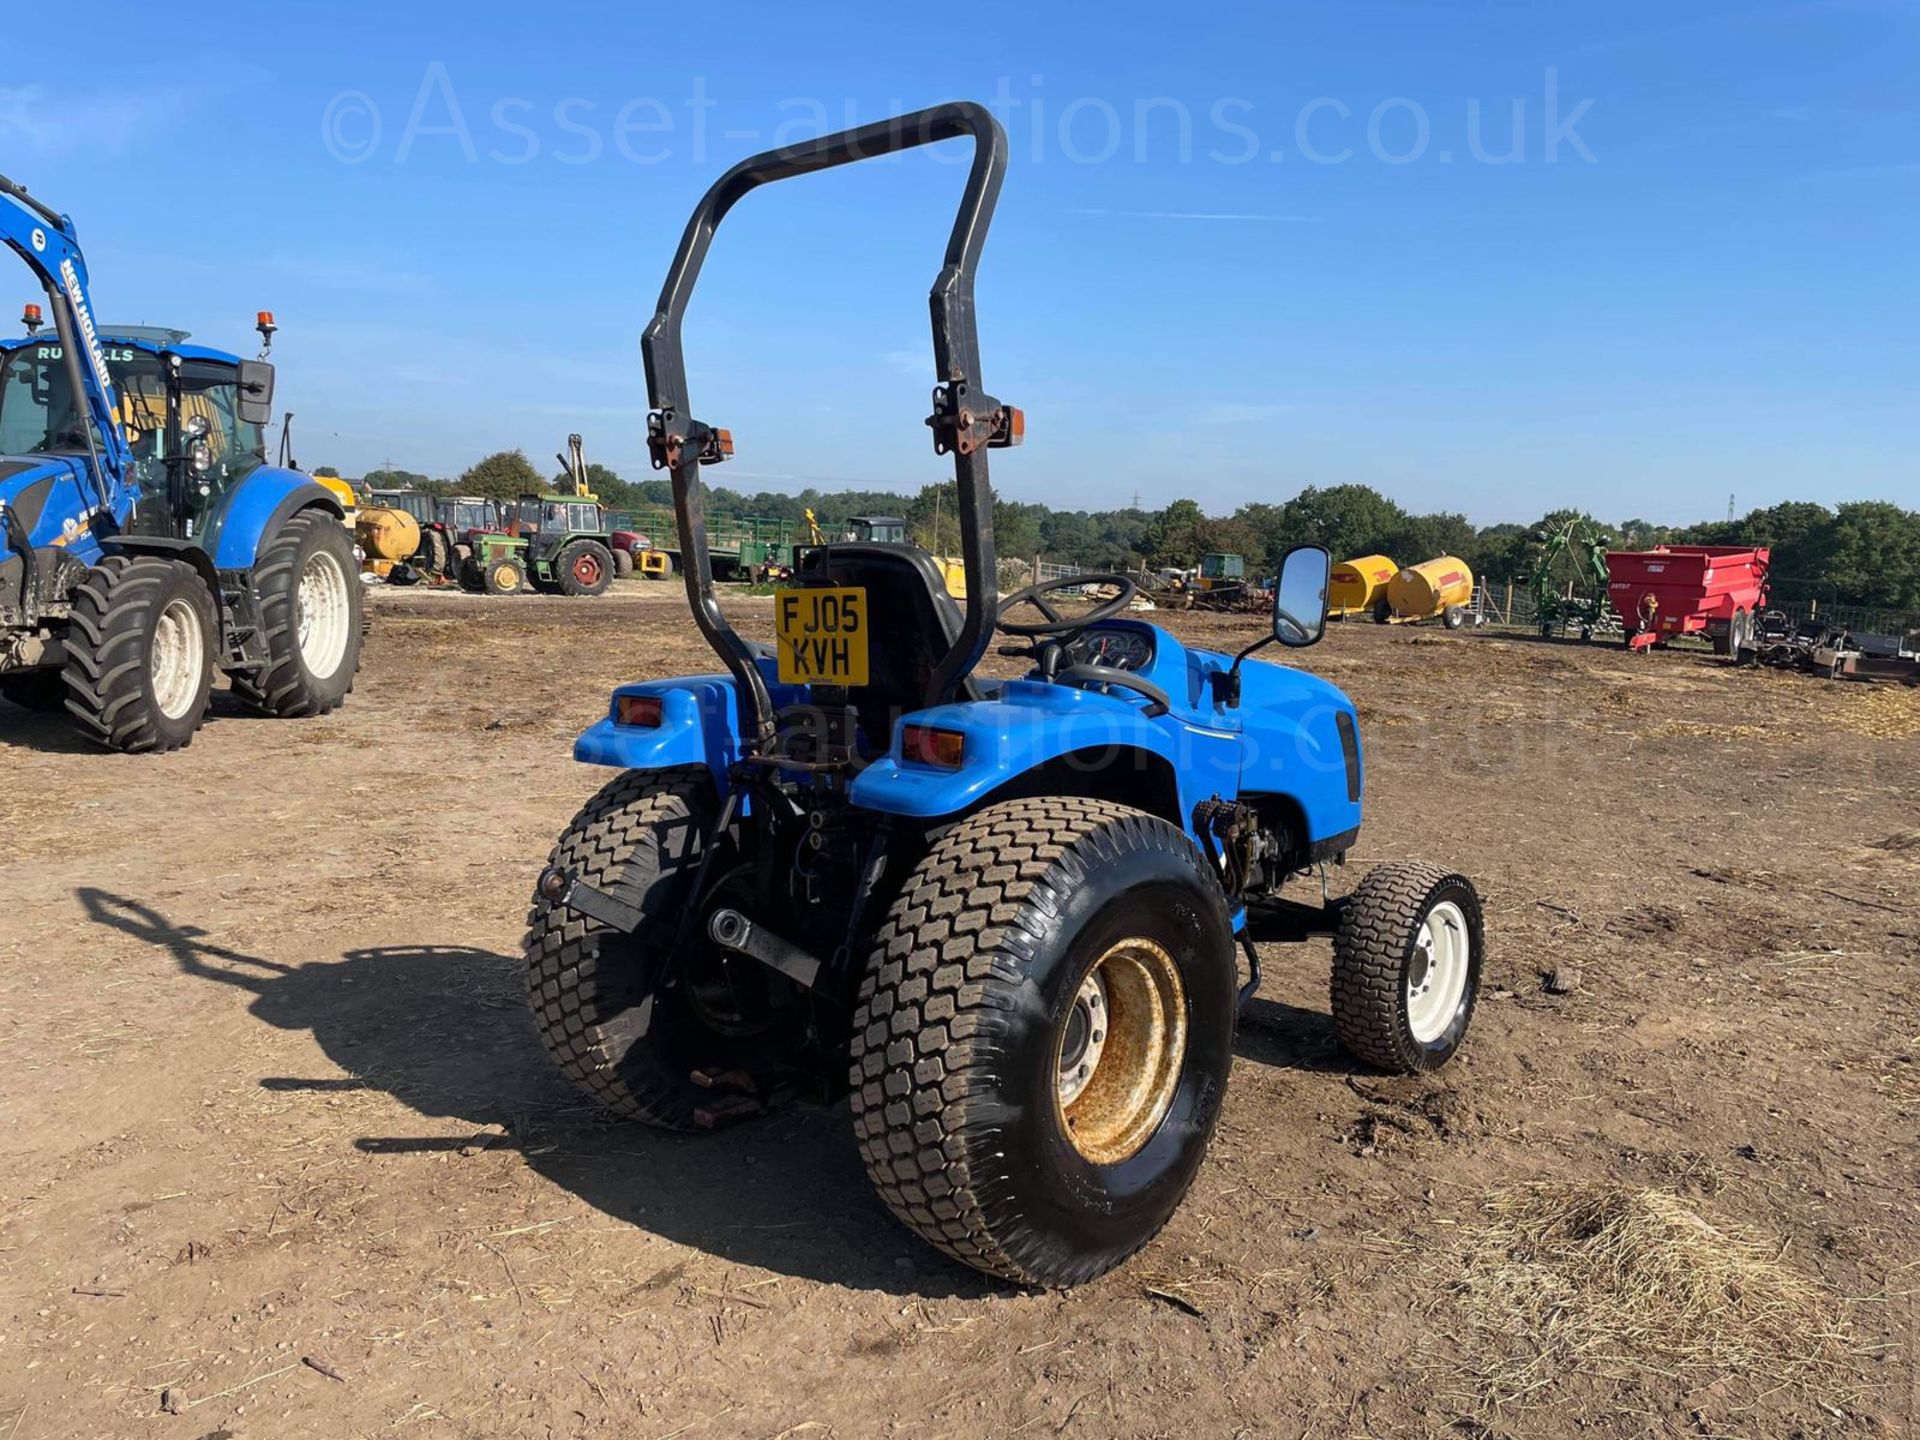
point(1117, 649)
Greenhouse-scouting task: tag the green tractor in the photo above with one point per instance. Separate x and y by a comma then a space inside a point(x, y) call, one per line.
point(559, 544)
point(495, 565)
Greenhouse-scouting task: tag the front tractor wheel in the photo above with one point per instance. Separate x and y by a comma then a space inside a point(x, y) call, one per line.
point(624, 1031)
point(310, 620)
point(1406, 966)
point(584, 568)
point(1043, 1037)
point(502, 577)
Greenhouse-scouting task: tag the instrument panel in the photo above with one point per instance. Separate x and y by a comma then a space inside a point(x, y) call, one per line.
point(1117, 649)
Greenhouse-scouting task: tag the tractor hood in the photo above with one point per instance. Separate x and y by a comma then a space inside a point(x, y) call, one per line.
point(27, 483)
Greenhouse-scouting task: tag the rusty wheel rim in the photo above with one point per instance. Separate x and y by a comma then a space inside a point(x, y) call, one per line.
point(586, 569)
point(1119, 1051)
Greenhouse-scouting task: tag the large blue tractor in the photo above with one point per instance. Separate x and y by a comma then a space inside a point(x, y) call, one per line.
point(145, 542)
point(1008, 913)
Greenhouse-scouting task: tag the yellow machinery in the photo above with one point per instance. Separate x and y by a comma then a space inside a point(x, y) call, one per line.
point(1439, 589)
point(386, 536)
point(348, 497)
point(1356, 586)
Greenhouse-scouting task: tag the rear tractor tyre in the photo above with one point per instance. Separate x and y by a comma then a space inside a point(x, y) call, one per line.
point(622, 564)
point(140, 650)
point(502, 577)
point(434, 556)
point(42, 691)
point(628, 1042)
point(1406, 966)
point(1043, 1037)
point(310, 620)
point(583, 568)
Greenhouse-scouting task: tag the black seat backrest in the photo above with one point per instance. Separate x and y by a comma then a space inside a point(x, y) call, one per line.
point(914, 622)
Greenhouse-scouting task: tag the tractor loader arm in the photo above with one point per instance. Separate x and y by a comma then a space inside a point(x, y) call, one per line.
point(45, 240)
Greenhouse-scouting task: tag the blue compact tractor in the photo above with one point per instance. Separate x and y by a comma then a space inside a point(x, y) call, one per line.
point(144, 540)
point(1008, 913)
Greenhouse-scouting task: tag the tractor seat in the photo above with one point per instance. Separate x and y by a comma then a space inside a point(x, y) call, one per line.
point(914, 622)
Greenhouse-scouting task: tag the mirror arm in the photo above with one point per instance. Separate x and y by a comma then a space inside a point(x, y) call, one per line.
point(1226, 683)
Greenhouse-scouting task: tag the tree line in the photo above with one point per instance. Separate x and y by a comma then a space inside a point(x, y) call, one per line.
point(1863, 552)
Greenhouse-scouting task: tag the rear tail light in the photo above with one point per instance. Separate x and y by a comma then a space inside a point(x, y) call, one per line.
point(944, 748)
point(637, 710)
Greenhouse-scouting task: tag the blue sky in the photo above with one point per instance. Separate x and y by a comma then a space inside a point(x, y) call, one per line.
point(1242, 247)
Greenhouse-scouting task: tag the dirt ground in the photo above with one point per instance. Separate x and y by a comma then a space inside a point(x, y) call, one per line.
point(282, 1155)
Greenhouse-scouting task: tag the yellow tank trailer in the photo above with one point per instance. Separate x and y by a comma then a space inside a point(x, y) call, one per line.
point(1440, 589)
point(1356, 586)
point(387, 536)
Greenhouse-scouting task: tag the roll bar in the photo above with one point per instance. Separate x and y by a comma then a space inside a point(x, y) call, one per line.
point(966, 421)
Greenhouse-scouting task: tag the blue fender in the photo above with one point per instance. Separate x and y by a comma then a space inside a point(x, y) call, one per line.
point(255, 509)
point(699, 725)
point(1031, 723)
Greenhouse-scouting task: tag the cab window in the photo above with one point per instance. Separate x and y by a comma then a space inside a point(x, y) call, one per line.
point(212, 392)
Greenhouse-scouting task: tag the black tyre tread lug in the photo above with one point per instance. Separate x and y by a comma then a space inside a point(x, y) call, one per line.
point(952, 947)
point(1368, 952)
point(277, 690)
point(107, 620)
point(562, 948)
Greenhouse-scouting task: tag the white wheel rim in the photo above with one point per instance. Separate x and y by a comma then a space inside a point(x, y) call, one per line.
point(323, 616)
point(179, 657)
point(1437, 972)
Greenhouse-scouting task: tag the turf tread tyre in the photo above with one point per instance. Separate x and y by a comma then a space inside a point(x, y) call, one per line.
point(615, 844)
point(108, 662)
point(285, 688)
point(948, 967)
point(1377, 926)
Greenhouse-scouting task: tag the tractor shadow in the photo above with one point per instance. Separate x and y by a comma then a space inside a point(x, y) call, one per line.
point(41, 733)
point(444, 1029)
point(52, 732)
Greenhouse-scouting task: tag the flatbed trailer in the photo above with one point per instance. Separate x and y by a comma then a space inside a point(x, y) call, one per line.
point(737, 545)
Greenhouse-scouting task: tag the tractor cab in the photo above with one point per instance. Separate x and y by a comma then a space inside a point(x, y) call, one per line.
point(464, 516)
point(416, 503)
point(193, 419)
point(557, 516)
point(1218, 571)
point(877, 530)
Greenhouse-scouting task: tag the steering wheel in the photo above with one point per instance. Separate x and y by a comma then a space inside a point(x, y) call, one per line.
point(1056, 625)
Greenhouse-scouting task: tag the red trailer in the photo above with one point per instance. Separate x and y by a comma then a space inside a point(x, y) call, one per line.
point(1673, 590)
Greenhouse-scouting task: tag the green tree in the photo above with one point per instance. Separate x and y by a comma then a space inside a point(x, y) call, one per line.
point(1873, 555)
point(326, 472)
point(1174, 536)
point(1350, 520)
point(504, 475)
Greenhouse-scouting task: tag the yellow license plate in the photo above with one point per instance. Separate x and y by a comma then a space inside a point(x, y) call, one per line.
point(822, 635)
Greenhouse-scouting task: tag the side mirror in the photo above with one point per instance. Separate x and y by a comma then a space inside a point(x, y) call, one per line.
point(256, 393)
point(1300, 596)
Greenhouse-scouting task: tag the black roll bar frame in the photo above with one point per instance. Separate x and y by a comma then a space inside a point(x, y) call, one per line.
point(966, 421)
